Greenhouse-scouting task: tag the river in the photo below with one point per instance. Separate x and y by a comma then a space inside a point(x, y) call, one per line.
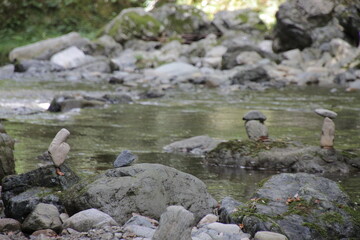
point(98, 135)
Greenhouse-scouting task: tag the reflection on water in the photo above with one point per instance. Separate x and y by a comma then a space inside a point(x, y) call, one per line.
point(99, 135)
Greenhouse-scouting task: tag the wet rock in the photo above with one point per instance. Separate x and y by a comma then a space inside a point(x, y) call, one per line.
point(66, 103)
point(326, 113)
point(176, 69)
point(327, 134)
point(302, 206)
point(134, 23)
point(58, 148)
point(175, 223)
point(9, 225)
point(256, 130)
point(125, 158)
point(250, 74)
point(117, 98)
point(265, 235)
point(194, 145)
point(44, 216)
point(37, 66)
point(43, 50)
point(278, 155)
point(143, 188)
point(7, 161)
point(22, 193)
point(254, 115)
point(7, 71)
point(182, 19)
point(88, 219)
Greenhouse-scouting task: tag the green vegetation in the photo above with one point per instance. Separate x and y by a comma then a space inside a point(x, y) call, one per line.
point(302, 208)
point(332, 217)
point(316, 227)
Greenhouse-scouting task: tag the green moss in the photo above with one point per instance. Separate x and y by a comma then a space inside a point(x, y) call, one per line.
point(316, 227)
point(354, 212)
point(135, 25)
point(248, 147)
point(181, 21)
point(302, 208)
point(262, 182)
point(243, 17)
point(261, 27)
point(332, 217)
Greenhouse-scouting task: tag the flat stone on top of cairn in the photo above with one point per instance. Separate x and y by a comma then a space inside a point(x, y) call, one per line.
point(254, 115)
point(254, 125)
point(326, 113)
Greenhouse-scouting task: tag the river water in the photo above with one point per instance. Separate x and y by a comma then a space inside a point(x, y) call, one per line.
point(144, 127)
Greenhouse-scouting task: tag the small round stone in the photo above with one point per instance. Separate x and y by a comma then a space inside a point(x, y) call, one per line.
point(254, 115)
point(326, 113)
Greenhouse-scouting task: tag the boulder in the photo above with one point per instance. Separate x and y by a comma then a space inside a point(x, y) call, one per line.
point(66, 103)
point(89, 219)
point(195, 145)
point(146, 189)
point(251, 73)
point(7, 161)
point(176, 69)
point(22, 193)
point(43, 50)
point(44, 216)
point(37, 66)
point(175, 223)
point(244, 20)
point(182, 19)
point(304, 23)
point(9, 225)
point(134, 23)
point(281, 156)
point(300, 206)
point(107, 46)
point(71, 57)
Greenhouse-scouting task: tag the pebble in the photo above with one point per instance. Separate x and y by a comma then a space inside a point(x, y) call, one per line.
point(326, 113)
point(254, 115)
point(125, 158)
point(265, 235)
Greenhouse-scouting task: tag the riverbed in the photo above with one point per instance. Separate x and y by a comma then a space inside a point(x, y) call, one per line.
point(98, 135)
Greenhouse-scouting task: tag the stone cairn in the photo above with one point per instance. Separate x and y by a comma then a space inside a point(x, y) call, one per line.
point(59, 149)
point(328, 128)
point(255, 127)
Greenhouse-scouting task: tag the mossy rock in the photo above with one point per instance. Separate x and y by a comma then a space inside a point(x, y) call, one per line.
point(182, 19)
point(134, 23)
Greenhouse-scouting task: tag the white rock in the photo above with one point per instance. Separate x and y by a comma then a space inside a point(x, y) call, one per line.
point(210, 218)
point(69, 58)
point(176, 69)
point(225, 228)
point(217, 51)
point(265, 235)
point(326, 113)
point(58, 148)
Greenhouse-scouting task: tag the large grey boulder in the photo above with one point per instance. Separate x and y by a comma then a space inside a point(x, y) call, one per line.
point(303, 23)
point(282, 156)
point(43, 50)
point(182, 19)
point(195, 145)
point(146, 189)
point(44, 216)
point(175, 223)
point(300, 206)
point(7, 161)
point(89, 219)
point(134, 23)
point(176, 69)
point(22, 193)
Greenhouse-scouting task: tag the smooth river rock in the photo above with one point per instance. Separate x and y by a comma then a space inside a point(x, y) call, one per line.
point(327, 133)
point(326, 113)
point(58, 148)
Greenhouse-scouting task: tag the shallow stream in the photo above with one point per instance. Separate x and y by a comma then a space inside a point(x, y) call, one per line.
point(144, 127)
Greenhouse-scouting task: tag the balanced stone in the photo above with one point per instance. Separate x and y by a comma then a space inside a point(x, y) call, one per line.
point(256, 130)
point(327, 133)
point(254, 115)
point(124, 159)
point(326, 113)
point(58, 148)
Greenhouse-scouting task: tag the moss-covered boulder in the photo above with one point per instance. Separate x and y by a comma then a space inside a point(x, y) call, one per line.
point(134, 23)
point(300, 206)
point(284, 156)
point(182, 19)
